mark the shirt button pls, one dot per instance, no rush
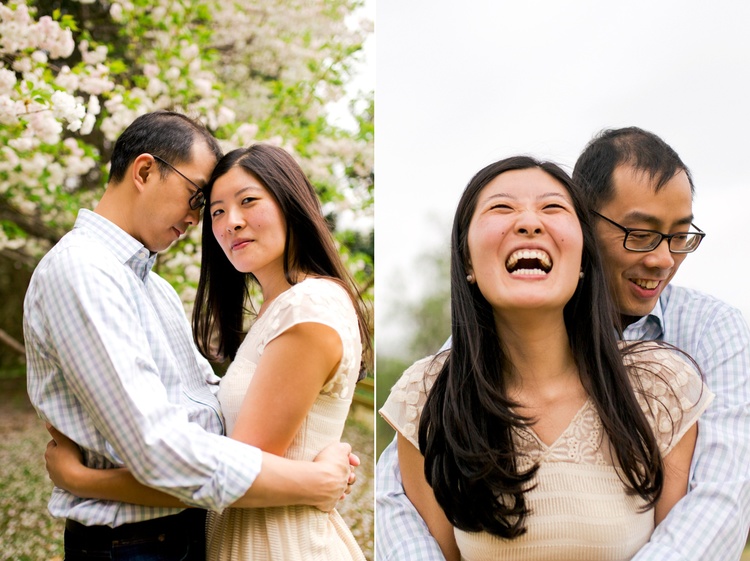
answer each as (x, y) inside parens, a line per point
(143, 254)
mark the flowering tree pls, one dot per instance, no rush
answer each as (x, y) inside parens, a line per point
(74, 74)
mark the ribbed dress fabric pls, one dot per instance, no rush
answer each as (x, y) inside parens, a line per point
(581, 510)
(294, 533)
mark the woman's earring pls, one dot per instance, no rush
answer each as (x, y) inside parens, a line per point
(470, 278)
(581, 274)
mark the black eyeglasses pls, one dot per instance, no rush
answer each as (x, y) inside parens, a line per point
(637, 239)
(198, 199)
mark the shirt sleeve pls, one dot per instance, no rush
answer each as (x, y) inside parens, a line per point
(400, 533)
(718, 499)
(96, 340)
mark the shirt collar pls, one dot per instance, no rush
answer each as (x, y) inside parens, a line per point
(650, 326)
(126, 248)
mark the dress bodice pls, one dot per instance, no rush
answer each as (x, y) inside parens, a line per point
(580, 508)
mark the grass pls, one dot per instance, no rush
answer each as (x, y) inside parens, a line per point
(29, 533)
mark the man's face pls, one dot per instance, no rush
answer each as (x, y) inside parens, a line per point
(165, 211)
(637, 279)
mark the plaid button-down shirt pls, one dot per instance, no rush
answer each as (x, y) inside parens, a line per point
(112, 364)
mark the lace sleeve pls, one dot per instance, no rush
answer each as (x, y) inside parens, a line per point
(318, 300)
(670, 391)
(403, 408)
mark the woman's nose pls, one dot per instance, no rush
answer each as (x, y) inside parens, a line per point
(528, 223)
(235, 220)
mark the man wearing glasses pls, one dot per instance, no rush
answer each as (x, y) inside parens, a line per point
(112, 364)
(641, 193)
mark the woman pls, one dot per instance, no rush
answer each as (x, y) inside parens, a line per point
(535, 436)
(290, 384)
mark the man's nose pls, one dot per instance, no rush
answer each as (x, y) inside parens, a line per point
(660, 257)
(194, 216)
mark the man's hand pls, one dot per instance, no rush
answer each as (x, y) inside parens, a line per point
(335, 465)
(63, 460)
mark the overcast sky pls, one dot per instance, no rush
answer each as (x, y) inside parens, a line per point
(459, 85)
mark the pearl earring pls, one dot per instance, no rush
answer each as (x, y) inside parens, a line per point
(470, 278)
(581, 275)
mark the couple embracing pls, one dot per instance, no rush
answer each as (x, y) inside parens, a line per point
(140, 422)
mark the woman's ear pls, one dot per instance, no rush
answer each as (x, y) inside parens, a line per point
(469, 272)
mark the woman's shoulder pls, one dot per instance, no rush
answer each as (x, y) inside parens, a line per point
(420, 376)
(314, 297)
(668, 387)
(403, 408)
(321, 291)
(660, 366)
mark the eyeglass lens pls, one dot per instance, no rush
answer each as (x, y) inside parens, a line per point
(646, 241)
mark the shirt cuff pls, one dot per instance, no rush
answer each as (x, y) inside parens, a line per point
(240, 465)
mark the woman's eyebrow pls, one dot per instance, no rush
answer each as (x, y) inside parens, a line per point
(236, 193)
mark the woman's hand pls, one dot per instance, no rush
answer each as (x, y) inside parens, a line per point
(337, 465)
(63, 459)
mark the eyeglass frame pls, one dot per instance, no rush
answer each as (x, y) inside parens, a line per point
(198, 196)
(700, 233)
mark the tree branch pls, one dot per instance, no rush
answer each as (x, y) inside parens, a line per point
(30, 224)
(19, 257)
(12, 343)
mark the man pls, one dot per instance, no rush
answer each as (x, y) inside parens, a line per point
(112, 365)
(642, 196)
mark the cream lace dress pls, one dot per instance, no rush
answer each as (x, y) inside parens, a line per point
(297, 532)
(580, 508)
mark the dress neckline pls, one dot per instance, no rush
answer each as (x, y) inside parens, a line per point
(575, 420)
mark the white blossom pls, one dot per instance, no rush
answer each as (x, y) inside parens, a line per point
(155, 87)
(192, 273)
(115, 11)
(23, 64)
(45, 127)
(7, 81)
(93, 107)
(150, 70)
(22, 144)
(67, 80)
(65, 106)
(87, 125)
(40, 57)
(56, 41)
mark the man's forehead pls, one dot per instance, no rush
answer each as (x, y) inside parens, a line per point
(628, 180)
(625, 175)
(638, 197)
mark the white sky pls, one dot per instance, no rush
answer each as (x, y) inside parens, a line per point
(459, 85)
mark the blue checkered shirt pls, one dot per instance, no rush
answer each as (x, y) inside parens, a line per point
(711, 522)
(112, 364)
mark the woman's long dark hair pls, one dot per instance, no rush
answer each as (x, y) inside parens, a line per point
(466, 428)
(223, 291)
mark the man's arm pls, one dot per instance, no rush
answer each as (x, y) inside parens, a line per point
(711, 522)
(321, 483)
(115, 398)
(400, 533)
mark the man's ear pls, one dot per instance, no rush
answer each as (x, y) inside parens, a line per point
(144, 169)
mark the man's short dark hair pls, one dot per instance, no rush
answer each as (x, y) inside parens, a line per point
(166, 134)
(631, 146)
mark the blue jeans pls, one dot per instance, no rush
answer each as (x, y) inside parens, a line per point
(174, 538)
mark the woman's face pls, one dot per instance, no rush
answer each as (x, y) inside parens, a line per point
(248, 224)
(525, 242)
